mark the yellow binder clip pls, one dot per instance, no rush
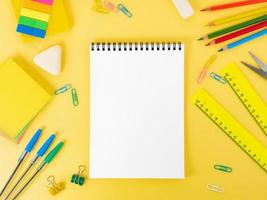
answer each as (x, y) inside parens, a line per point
(55, 188)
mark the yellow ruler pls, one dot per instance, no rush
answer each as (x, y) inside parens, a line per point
(231, 127)
(246, 93)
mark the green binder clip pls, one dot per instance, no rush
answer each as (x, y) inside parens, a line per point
(79, 178)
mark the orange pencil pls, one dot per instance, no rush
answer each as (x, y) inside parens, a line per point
(233, 5)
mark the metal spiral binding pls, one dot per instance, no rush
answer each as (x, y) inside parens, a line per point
(136, 46)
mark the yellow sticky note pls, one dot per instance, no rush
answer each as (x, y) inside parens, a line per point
(21, 100)
(58, 22)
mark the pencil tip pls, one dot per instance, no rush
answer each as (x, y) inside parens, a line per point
(220, 50)
(200, 38)
(208, 44)
(210, 24)
(204, 9)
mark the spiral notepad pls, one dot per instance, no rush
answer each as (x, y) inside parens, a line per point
(137, 110)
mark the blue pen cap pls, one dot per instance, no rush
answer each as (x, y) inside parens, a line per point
(46, 145)
(33, 141)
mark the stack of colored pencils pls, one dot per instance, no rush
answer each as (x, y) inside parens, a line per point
(256, 23)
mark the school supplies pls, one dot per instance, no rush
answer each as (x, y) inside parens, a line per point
(244, 40)
(22, 157)
(124, 10)
(231, 127)
(223, 168)
(263, 67)
(204, 71)
(248, 14)
(99, 7)
(74, 95)
(238, 33)
(184, 8)
(110, 6)
(38, 155)
(137, 100)
(54, 187)
(63, 89)
(22, 98)
(217, 77)
(34, 17)
(234, 27)
(233, 5)
(48, 159)
(215, 188)
(247, 95)
(50, 60)
(58, 21)
(79, 178)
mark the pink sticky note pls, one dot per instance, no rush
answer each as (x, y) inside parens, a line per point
(48, 2)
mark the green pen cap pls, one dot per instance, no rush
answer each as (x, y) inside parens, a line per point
(53, 153)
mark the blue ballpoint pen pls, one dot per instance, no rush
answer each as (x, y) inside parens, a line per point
(38, 155)
(24, 154)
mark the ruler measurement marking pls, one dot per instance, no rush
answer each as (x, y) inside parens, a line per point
(245, 101)
(204, 107)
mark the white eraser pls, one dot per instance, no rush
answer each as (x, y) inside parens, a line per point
(184, 8)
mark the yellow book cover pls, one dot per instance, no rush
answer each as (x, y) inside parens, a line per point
(21, 100)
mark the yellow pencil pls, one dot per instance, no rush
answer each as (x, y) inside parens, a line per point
(252, 13)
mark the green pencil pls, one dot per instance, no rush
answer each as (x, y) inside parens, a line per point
(234, 27)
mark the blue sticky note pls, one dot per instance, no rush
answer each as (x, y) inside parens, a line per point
(31, 31)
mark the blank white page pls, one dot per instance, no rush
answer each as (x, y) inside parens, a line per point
(137, 111)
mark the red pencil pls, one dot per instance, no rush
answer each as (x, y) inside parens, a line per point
(233, 5)
(238, 33)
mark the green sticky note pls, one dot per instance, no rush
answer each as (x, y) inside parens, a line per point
(34, 23)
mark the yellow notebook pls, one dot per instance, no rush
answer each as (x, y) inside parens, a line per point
(59, 20)
(21, 100)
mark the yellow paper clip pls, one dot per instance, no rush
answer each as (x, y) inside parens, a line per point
(223, 168)
(63, 89)
(217, 77)
(204, 71)
(55, 188)
(74, 95)
(124, 10)
(214, 188)
(99, 7)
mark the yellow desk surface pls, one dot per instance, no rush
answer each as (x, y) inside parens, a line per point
(205, 144)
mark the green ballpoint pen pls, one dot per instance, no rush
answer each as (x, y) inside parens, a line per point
(45, 162)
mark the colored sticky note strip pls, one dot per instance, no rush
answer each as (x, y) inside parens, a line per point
(33, 5)
(31, 31)
(34, 14)
(59, 20)
(34, 23)
(48, 2)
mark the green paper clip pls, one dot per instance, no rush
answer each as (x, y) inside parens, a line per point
(217, 77)
(223, 168)
(63, 89)
(74, 95)
(124, 10)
